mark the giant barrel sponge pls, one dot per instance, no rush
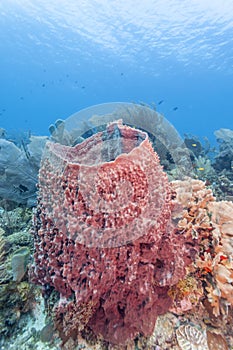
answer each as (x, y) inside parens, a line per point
(104, 237)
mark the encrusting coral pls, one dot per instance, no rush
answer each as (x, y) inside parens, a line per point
(190, 338)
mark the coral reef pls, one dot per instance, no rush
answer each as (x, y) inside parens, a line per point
(16, 300)
(204, 169)
(104, 237)
(106, 276)
(212, 164)
(15, 220)
(219, 259)
(19, 160)
(210, 223)
(224, 158)
(2, 255)
(16, 293)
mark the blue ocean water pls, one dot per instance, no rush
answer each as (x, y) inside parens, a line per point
(58, 57)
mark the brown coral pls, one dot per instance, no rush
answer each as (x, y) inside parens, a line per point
(216, 341)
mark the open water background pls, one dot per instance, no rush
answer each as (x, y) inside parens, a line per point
(57, 57)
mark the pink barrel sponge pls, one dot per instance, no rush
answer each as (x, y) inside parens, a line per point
(104, 237)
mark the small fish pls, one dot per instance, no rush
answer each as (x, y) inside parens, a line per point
(43, 85)
(2, 133)
(175, 108)
(201, 169)
(207, 269)
(22, 188)
(194, 144)
(160, 102)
